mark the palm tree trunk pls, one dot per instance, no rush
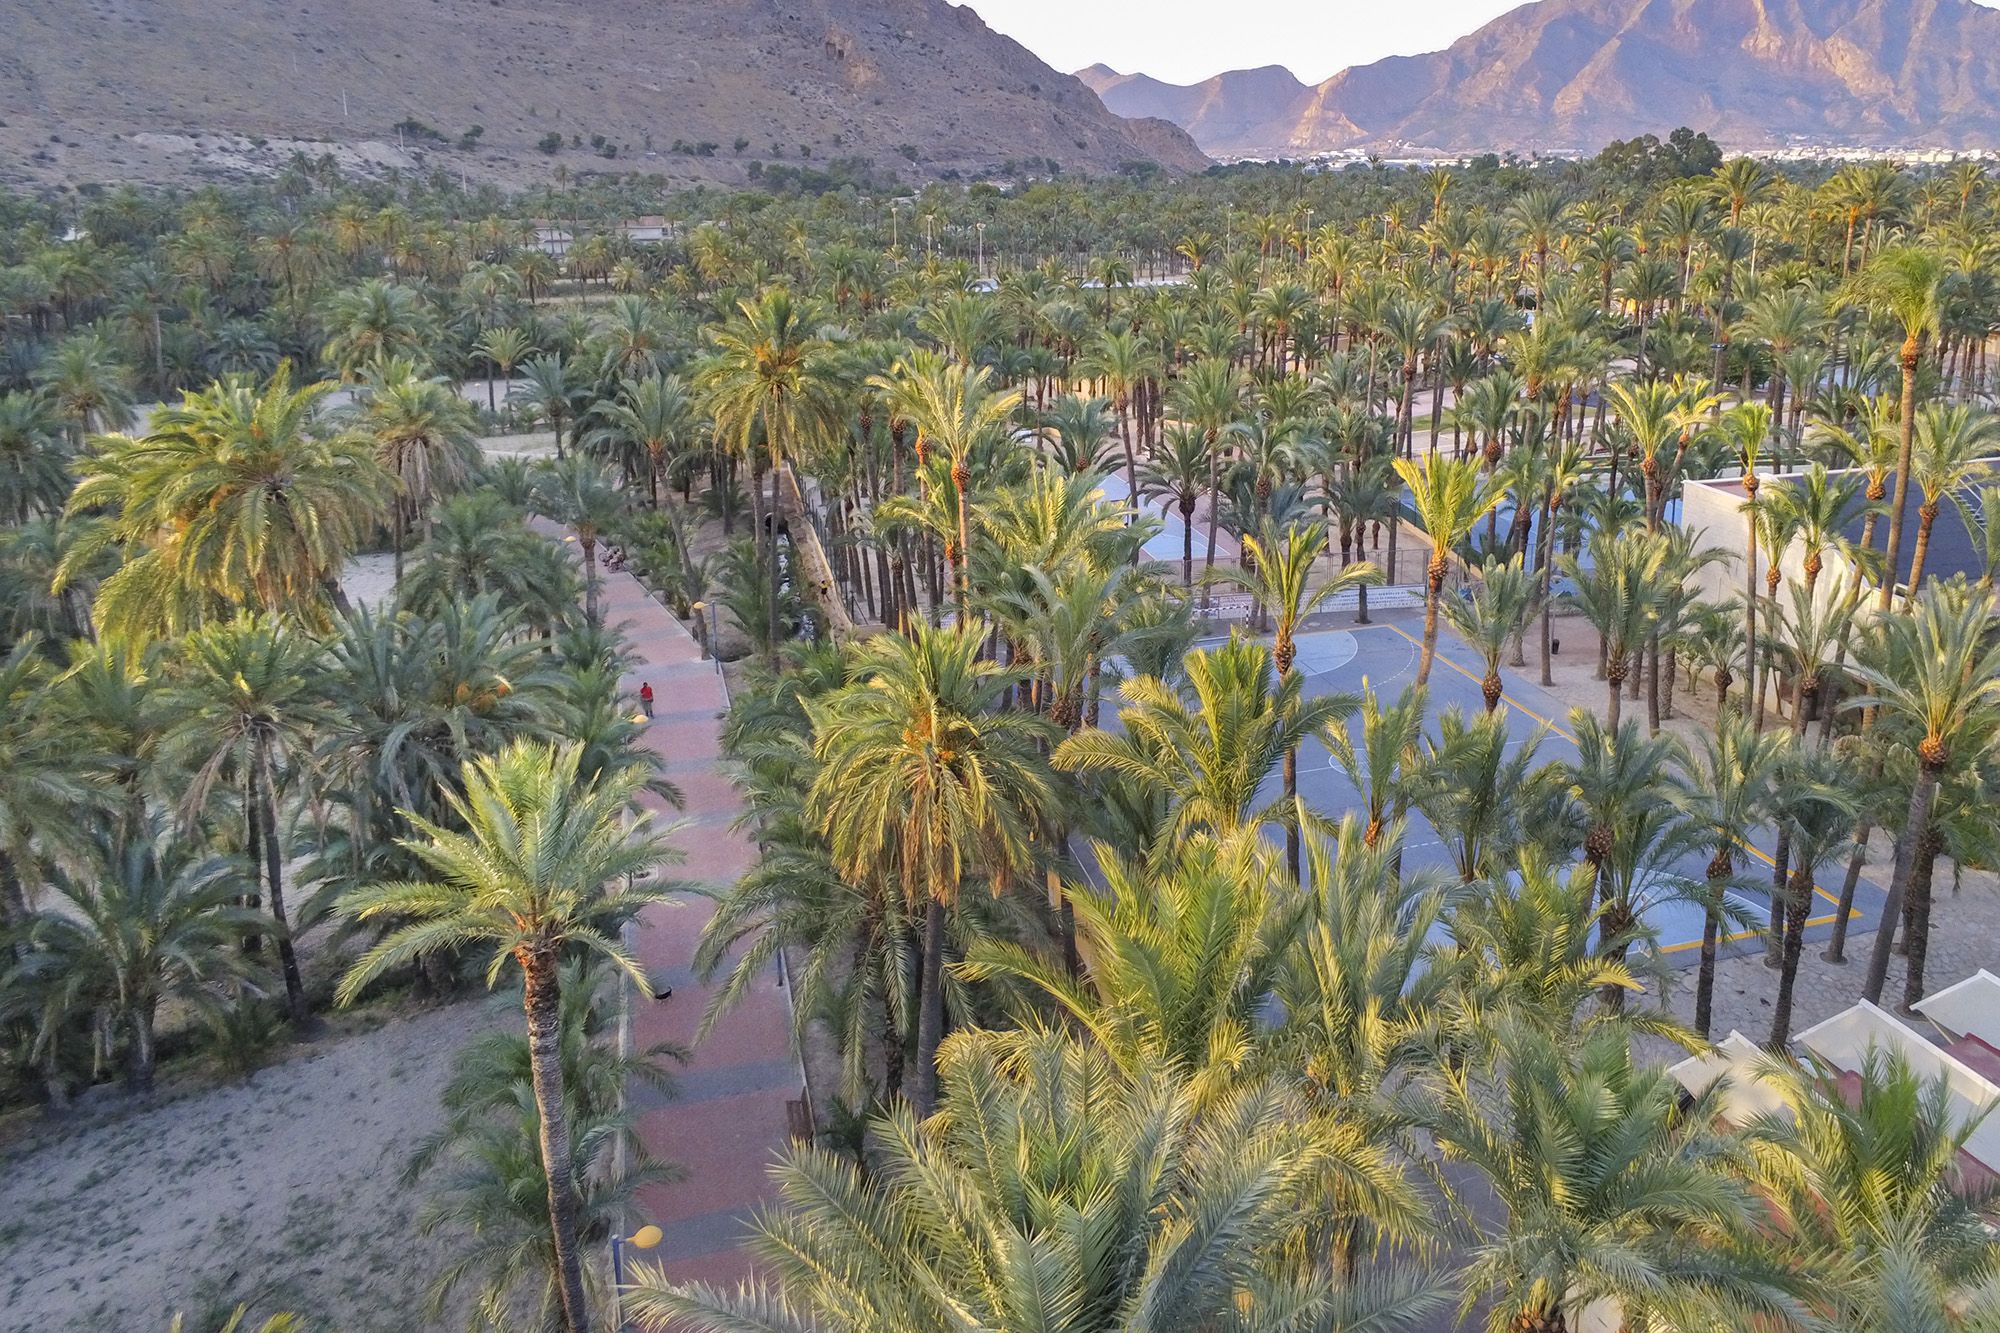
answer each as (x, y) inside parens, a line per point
(1835, 951)
(541, 999)
(930, 1007)
(1917, 938)
(1434, 572)
(1912, 351)
(274, 862)
(1292, 810)
(1914, 827)
(1796, 903)
(1926, 516)
(589, 545)
(143, 1058)
(1614, 678)
(1214, 498)
(772, 511)
(1711, 942)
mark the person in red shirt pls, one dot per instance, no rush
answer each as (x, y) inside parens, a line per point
(646, 697)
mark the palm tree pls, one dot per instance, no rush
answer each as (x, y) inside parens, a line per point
(1729, 776)
(1177, 471)
(485, 1169)
(1815, 814)
(425, 438)
(1619, 594)
(545, 868)
(1122, 361)
(1449, 497)
(86, 383)
(1207, 396)
(1935, 672)
(578, 493)
(956, 412)
(1052, 1190)
(922, 781)
(1480, 788)
(1864, 1184)
(1280, 579)
(1207, 748)
(1911, 286)
(550, 388)
(34, 458)
(148, 920)
(1494, 613)
(1953, 444)
(772, 377)
(1631, 1204)
(239, 497)
(658, 415)
(374, 322)
(503, 347)
(248, 705)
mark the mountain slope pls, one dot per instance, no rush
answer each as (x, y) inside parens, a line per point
(1242, 106)
(1573, 74)
(174, 89)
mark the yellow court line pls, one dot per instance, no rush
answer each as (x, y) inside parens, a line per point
(1751, 848)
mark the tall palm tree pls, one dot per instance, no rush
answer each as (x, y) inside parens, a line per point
(240, 497)
(1122, 361)
(503, 347)
(425, 437)
(1815, 814)
(1208, 396)
(1936, 673)
(1953, 445)
(1619, 593)
(1449, 497)
(149, 919)
(957, 413)
(1280, 580)
(248, 705)
(1177, 471)
(921, 780)
(1729, 776)
(89, 387)
(34, 458)
(772, 377)
(1053, 1190)
(1912, 287)
(545, 867)
(1494, 613)
(656, 414)
(578, 493)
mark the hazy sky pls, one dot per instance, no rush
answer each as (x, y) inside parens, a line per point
(1184, 41)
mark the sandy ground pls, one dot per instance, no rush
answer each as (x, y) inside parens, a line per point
(1965, 926)
(281, 1191)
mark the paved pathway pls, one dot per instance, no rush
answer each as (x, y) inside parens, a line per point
(728, 1121)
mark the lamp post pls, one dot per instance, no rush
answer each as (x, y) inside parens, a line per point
(645, 1238)
(700, 610)
(980, 227)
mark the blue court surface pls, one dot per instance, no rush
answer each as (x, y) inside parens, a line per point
(1384, 657)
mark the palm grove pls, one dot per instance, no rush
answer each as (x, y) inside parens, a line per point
(1121, 1032)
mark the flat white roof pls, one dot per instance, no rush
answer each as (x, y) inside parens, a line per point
(1969, 1009)
(1845, 1040)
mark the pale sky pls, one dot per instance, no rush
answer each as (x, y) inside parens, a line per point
(1185, 41)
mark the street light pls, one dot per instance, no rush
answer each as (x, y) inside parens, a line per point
(700, 610)
(645, 1238)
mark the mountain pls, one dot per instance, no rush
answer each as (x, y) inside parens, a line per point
(1241, 106)
(178, 90)
(1574, 74)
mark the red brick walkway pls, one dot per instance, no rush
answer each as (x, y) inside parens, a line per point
(727, 1122)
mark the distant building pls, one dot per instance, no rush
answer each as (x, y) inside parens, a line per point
(1713, 511)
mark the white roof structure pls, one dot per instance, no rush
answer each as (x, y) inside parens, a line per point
(1736, 1057)
(1845, 1040)
(1969, 1009)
